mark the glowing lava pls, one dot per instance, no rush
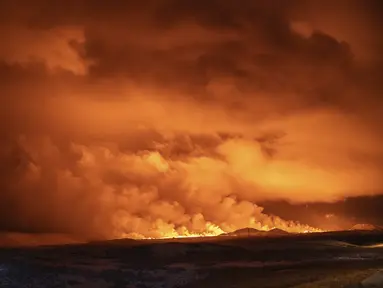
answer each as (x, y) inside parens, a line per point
(213, 230)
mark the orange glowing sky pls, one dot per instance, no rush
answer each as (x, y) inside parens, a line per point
(179, 118)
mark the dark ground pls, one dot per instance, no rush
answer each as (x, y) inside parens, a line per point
(309, 260)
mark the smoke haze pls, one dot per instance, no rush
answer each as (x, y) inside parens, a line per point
(170, 118)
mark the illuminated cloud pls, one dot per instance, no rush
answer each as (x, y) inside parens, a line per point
(178, 118)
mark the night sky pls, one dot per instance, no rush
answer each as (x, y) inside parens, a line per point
(165, 118)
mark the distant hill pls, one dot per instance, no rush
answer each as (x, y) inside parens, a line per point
(277, 231)
(246, 232)
(367, 227)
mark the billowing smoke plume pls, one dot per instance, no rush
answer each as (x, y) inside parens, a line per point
(178, 117)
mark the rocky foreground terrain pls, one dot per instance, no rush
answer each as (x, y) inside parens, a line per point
(327, 260)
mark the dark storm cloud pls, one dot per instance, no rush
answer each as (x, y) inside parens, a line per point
(197, 41)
